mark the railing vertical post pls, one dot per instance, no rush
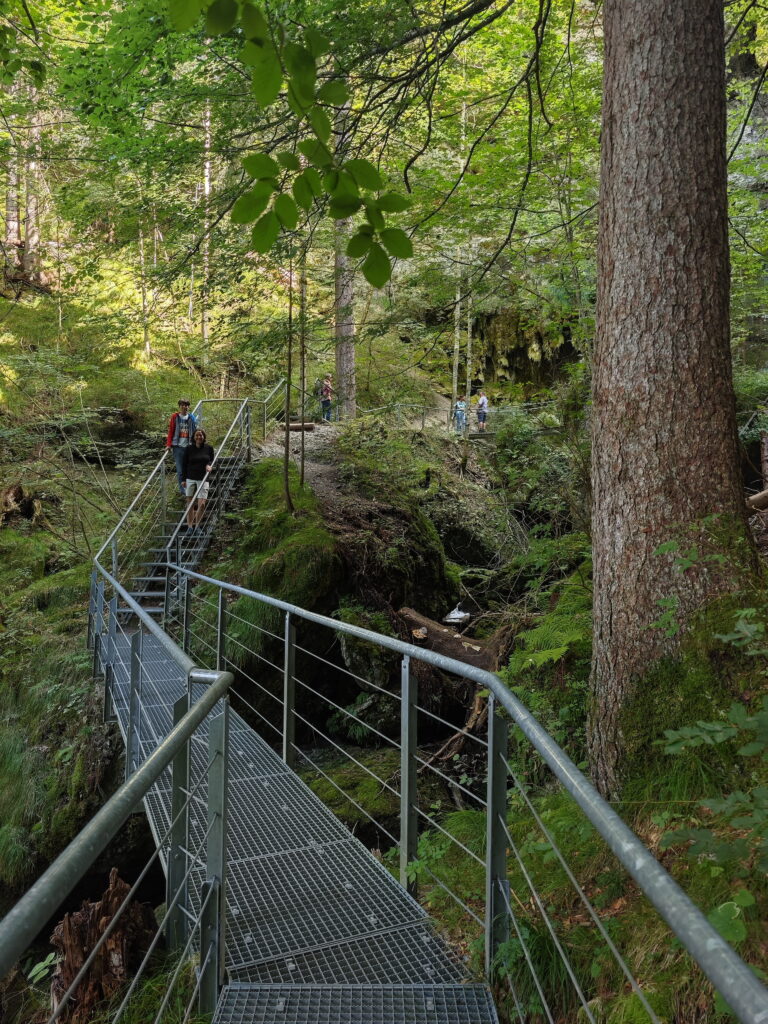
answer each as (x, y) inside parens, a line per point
(264, 421)
(184, 591)
(134, 706)
(289, 692)
(248, 432)
(213, 922)
(167, 596)
(114, 556)
(408, 796)
(91, 610)
(496, 919)
(112, 629)
(163, 495)
(100, 607)
(221, 613)
(176, 933)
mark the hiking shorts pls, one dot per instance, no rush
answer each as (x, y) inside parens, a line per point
(197, 489)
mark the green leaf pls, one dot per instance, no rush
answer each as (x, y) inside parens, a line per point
(289, 160)
(750, 749)
(184, 13)
(341, 209)
(255, 25)
(317, 43)
(321, 124)
(393, 202)
(376, 269)
(365, 174)
(358, 245)
(267, 74)
(334, 92)
(259, 165)
(397, 243)
(314, 181)
(302, 192)
(301, 64)
(265, 232)
(343, 188)
(287, 212)
(374, 216)
(253, 203)
(744, 898)
(316, 152)
(298, 101)
(726, 919)
(220, 17)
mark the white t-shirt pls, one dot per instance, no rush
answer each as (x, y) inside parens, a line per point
(482, 403)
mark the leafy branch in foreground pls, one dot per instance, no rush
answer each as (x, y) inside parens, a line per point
(317, 174)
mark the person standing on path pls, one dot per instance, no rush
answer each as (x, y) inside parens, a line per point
(460, 414)
(326, 397)
(198, 461)
(482, 412)
(181, 430)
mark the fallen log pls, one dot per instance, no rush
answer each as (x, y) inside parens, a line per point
(294, 427)
(444, 640)
(758, 501)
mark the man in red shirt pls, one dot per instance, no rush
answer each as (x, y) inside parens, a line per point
(181, 430)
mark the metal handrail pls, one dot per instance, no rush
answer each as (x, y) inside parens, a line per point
(25, 920)
(725, 969)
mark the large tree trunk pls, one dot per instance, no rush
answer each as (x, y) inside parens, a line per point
(665, 450)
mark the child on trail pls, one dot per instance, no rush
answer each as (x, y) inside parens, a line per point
(198, 460)
(181, 429)
(460, 414)
(482, 412)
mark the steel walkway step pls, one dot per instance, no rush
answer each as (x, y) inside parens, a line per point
(355, 1004)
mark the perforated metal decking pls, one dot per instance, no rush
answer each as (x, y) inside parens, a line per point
(318, 932)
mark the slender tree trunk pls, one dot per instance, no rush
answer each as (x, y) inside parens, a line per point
(469, 351)
(665, 452)
(346, 380)
(144, 301)
(206, 246)
(456, 350)
(32, 195)
(302, 350)
(287, 415)
(12, 208)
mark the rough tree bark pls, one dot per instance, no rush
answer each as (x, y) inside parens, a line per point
(665, 452)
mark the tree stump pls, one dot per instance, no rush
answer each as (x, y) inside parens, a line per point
(76, 935)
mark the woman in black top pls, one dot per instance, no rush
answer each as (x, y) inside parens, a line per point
(198, 460)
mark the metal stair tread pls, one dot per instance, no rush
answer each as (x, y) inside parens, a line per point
(355, 1004)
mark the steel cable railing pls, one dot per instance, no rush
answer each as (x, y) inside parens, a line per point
(500, 861)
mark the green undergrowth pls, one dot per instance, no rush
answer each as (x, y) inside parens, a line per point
(290, 557)
(50, 731)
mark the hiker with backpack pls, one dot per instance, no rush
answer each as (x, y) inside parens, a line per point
(181, 430)
(326, 397)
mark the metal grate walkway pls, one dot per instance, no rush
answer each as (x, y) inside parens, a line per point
(317, 928)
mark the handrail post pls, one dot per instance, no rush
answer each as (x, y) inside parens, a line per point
(221, 613)
(213, 921)
(248, 432)
(134, 706)
(289, 692)
(109, 664)
(496, 919)
(184, 591)
(91, 610)
(114, 555)
(178, 839)
(163, 494)
(408, 796)
(264, 436)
